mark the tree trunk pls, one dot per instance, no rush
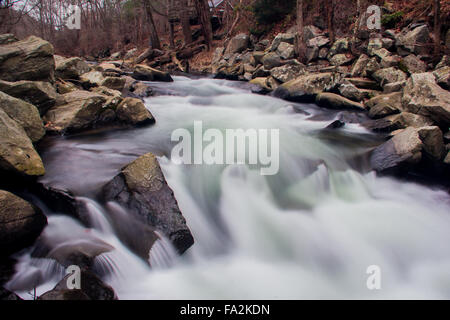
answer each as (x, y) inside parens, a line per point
(154, 39)
(205, 19)
(437, 27)
(171, 35)
(357, 25)
(300, 47)
(185, 23)
(330, 18)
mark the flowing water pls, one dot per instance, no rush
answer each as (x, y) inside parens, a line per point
(311, 231)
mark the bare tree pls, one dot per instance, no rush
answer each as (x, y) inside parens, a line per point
(330, 18)
(300, 45)
(154, 38)
(205, 19)
(185, 23)
(437, 27)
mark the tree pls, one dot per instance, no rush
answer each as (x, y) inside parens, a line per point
(205, 19)
(330, 18)
(437, 27)
(300, 45)
(154, 38)
(185, 23)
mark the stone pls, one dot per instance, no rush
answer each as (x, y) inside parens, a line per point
(335, 101)
(412, 64)
(398, 121)
(443, 77)
(260, 85)
(113, 83)
(374, 45)
(133, 111)
(17, 153)
(287, 72)
(445, 62)
(29, 59)
(350, 91)
(405, 148)
(71, 68)
(286, 50)
(306, 87)
(320, 41)
(141, 188)
(340, 46)
(384, 105)
(359, 66)
(363, 83)
(415, 40)
(24, 114)
(20, 223)
(145, 73)
(271, 60)
(238, 43)
(389, 75)
(423, 96)
(394, 87)
(7, 38)
(341, 59)
(390, 61)
(433, 141)
(310, 32)
(372, 66)
(40, 94)
(312, 53)
(92, 79)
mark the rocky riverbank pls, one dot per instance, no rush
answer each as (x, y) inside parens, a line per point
(45, 94)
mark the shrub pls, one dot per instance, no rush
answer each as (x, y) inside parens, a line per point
(390, 20)
(271, 11)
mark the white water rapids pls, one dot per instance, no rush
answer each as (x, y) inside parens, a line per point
(309, 232)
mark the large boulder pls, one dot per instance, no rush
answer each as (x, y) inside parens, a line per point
(423, 96)
(359, 65)
(145, 73)
(81, 111)
(404, 149)
(238, 43)
(287, 72)
(29, 59)
(398, 121)
(133, 111)
(384, 105)
(40, 94)
(415, 40)
(340, 46)
(306, 87)
(335, 101)
(282, 38)
(71, 68)
(271, 60)
(433, 141)
(389, 75)
(17, 153)
(141, 188)
(24, 114)
(341, 59)
(412, 64)
(20, 223)
(286, 50)
(310, 32)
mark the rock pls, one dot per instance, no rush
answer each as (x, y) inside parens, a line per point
(412, 64)
(6, 294)
(371, 67)
(113, 83)
(286, 50)
(92, 79)
(359, 65)
(382, 53)
(310, 32)
(261, 72)
(404, 148)
(71, 68)
(133, 111)
(394, 87)
(271, 60)
(29, 59)
(116, 55)
(363, 83)
(447, 158)
(445, 62)
(81, 111)
(433, 141)
(341, 59)
(141, 89)
(7, 38)
(260, 85)
(423, 96)
(20, 223)
(339, 46)
(390, 61)
(145, 73)
(323, 53)
(92, 288)
(217, 56)
(414, 41)
(389, 75)
(262, 45)
(65, 87)
(398, 121)
(273, 83)
(374, 45)
(130, 54)
(334, 101)
(142, 189)
(312, 53)
(40, 94)
(388, 43)
(238, 43)
(318, 42)
(288, 38)
(443, 77)
(17, 153)
(384, 105)
(287, 72)
(258, 56)
(306, 87)
(24, 114)
(350, 91)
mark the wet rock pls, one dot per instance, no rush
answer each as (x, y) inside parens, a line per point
(20, 223)
(71, 68)
(260, 85)
(29, 59)
(24, 114)
(133, 111)
(405, 148)
(145, 73)
(261, 72)
(384, 105)
(350, 91)
(287, 72)
(398, 121)
(305, 88)
(40, 94)
(334, 101)
(8, 295)
(433, 141)
(423, 96)
(389, 75)
(238, 43)
(81, 111)
(17, 153)
(271, 60)
(142, 189)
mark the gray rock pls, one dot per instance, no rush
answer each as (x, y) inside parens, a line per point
(133, 111)
(341, 59)
(443, 77)
(71, 68)
(433, 141)
(145, 73)
(394, 87)
(335, 101)
(413, 64)
(286, 50)
(389, 75)
(340, 46)
(271, 60)
(238, 43)
(359, 66)
(414, 41)
(282, 38)
(310, 32)
(287, 72)
(384, 105)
